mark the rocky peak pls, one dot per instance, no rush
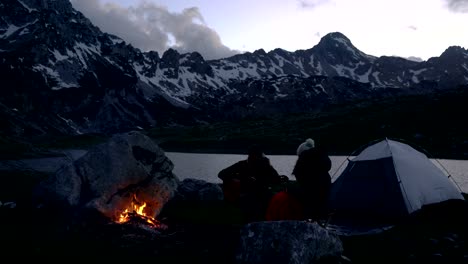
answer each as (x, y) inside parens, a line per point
(338, 49)
(170, 58)
(59, 5)
(153, 55)
(260, 52)
(453, 52)
(392, 63)
(281, 52)
(13, 13)
(335, 38)
(453, 56)
(196, 63)
(193, 57)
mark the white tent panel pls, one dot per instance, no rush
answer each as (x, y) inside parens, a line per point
(422, 182)
(387, 148)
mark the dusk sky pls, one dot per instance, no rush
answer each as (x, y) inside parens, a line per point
(217, 29)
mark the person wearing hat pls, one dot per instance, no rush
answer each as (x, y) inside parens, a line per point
(307, 197)
(314, 182)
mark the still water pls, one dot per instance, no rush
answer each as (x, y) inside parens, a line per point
(206, 166)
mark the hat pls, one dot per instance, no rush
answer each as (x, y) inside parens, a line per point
(308, 144)
(256, 150)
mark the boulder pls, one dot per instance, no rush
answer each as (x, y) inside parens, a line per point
(286, 242)
(198, 190)
(196, 201)
(130, 168)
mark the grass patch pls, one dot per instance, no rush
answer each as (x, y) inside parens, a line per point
(433, 122)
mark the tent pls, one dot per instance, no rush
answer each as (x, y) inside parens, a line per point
(389, 180)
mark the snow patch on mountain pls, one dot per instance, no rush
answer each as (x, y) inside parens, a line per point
(184, 58)
(465, 67)
(251, 70)
(320, 86)
(217, 83)
(416, 73)
(24, 31)
(275, 69)
(138, 69)
(377, 79)
(317, 65)
(280, 60)
(44, 69)
(53, 74)
(58, 56)
(182, 88)
(113, 63)
(70, 124)
(159, 80)
(80, 57)
(116, 40)
(9, 31)
(90, 49)
(229, 71)
(26, 6)
(364, 78)
(345, 44)
(299, 64)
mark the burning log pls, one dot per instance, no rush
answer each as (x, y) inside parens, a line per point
(136, 215)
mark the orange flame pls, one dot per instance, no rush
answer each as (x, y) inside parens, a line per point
(136, 210)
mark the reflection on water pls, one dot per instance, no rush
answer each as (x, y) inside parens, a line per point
(206, 166)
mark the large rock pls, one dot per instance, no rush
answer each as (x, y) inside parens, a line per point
(196, 201)
(128, 168)
(198, 190)
(286, 242)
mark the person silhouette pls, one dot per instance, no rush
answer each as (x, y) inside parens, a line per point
(314, 182)
(248, 183)
(307, 197)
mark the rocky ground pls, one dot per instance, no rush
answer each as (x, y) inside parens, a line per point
(212, 236)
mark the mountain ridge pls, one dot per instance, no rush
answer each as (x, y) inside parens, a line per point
(62, 74)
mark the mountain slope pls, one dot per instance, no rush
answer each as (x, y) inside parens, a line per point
(60, 70)
(61, 74)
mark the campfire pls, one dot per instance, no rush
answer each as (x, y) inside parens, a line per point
(135, 214)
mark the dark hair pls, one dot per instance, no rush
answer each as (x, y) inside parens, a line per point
(255, 150)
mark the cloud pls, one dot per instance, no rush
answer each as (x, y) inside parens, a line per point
(148, 26)
(311, 3)
(460, 6)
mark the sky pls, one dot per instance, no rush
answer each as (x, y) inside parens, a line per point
(221, 28)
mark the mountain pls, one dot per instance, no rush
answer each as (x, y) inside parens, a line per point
(60, 74)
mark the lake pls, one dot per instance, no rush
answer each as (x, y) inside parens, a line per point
(206, 166)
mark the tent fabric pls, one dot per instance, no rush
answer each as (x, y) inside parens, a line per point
(360, 193)
(389, 180)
